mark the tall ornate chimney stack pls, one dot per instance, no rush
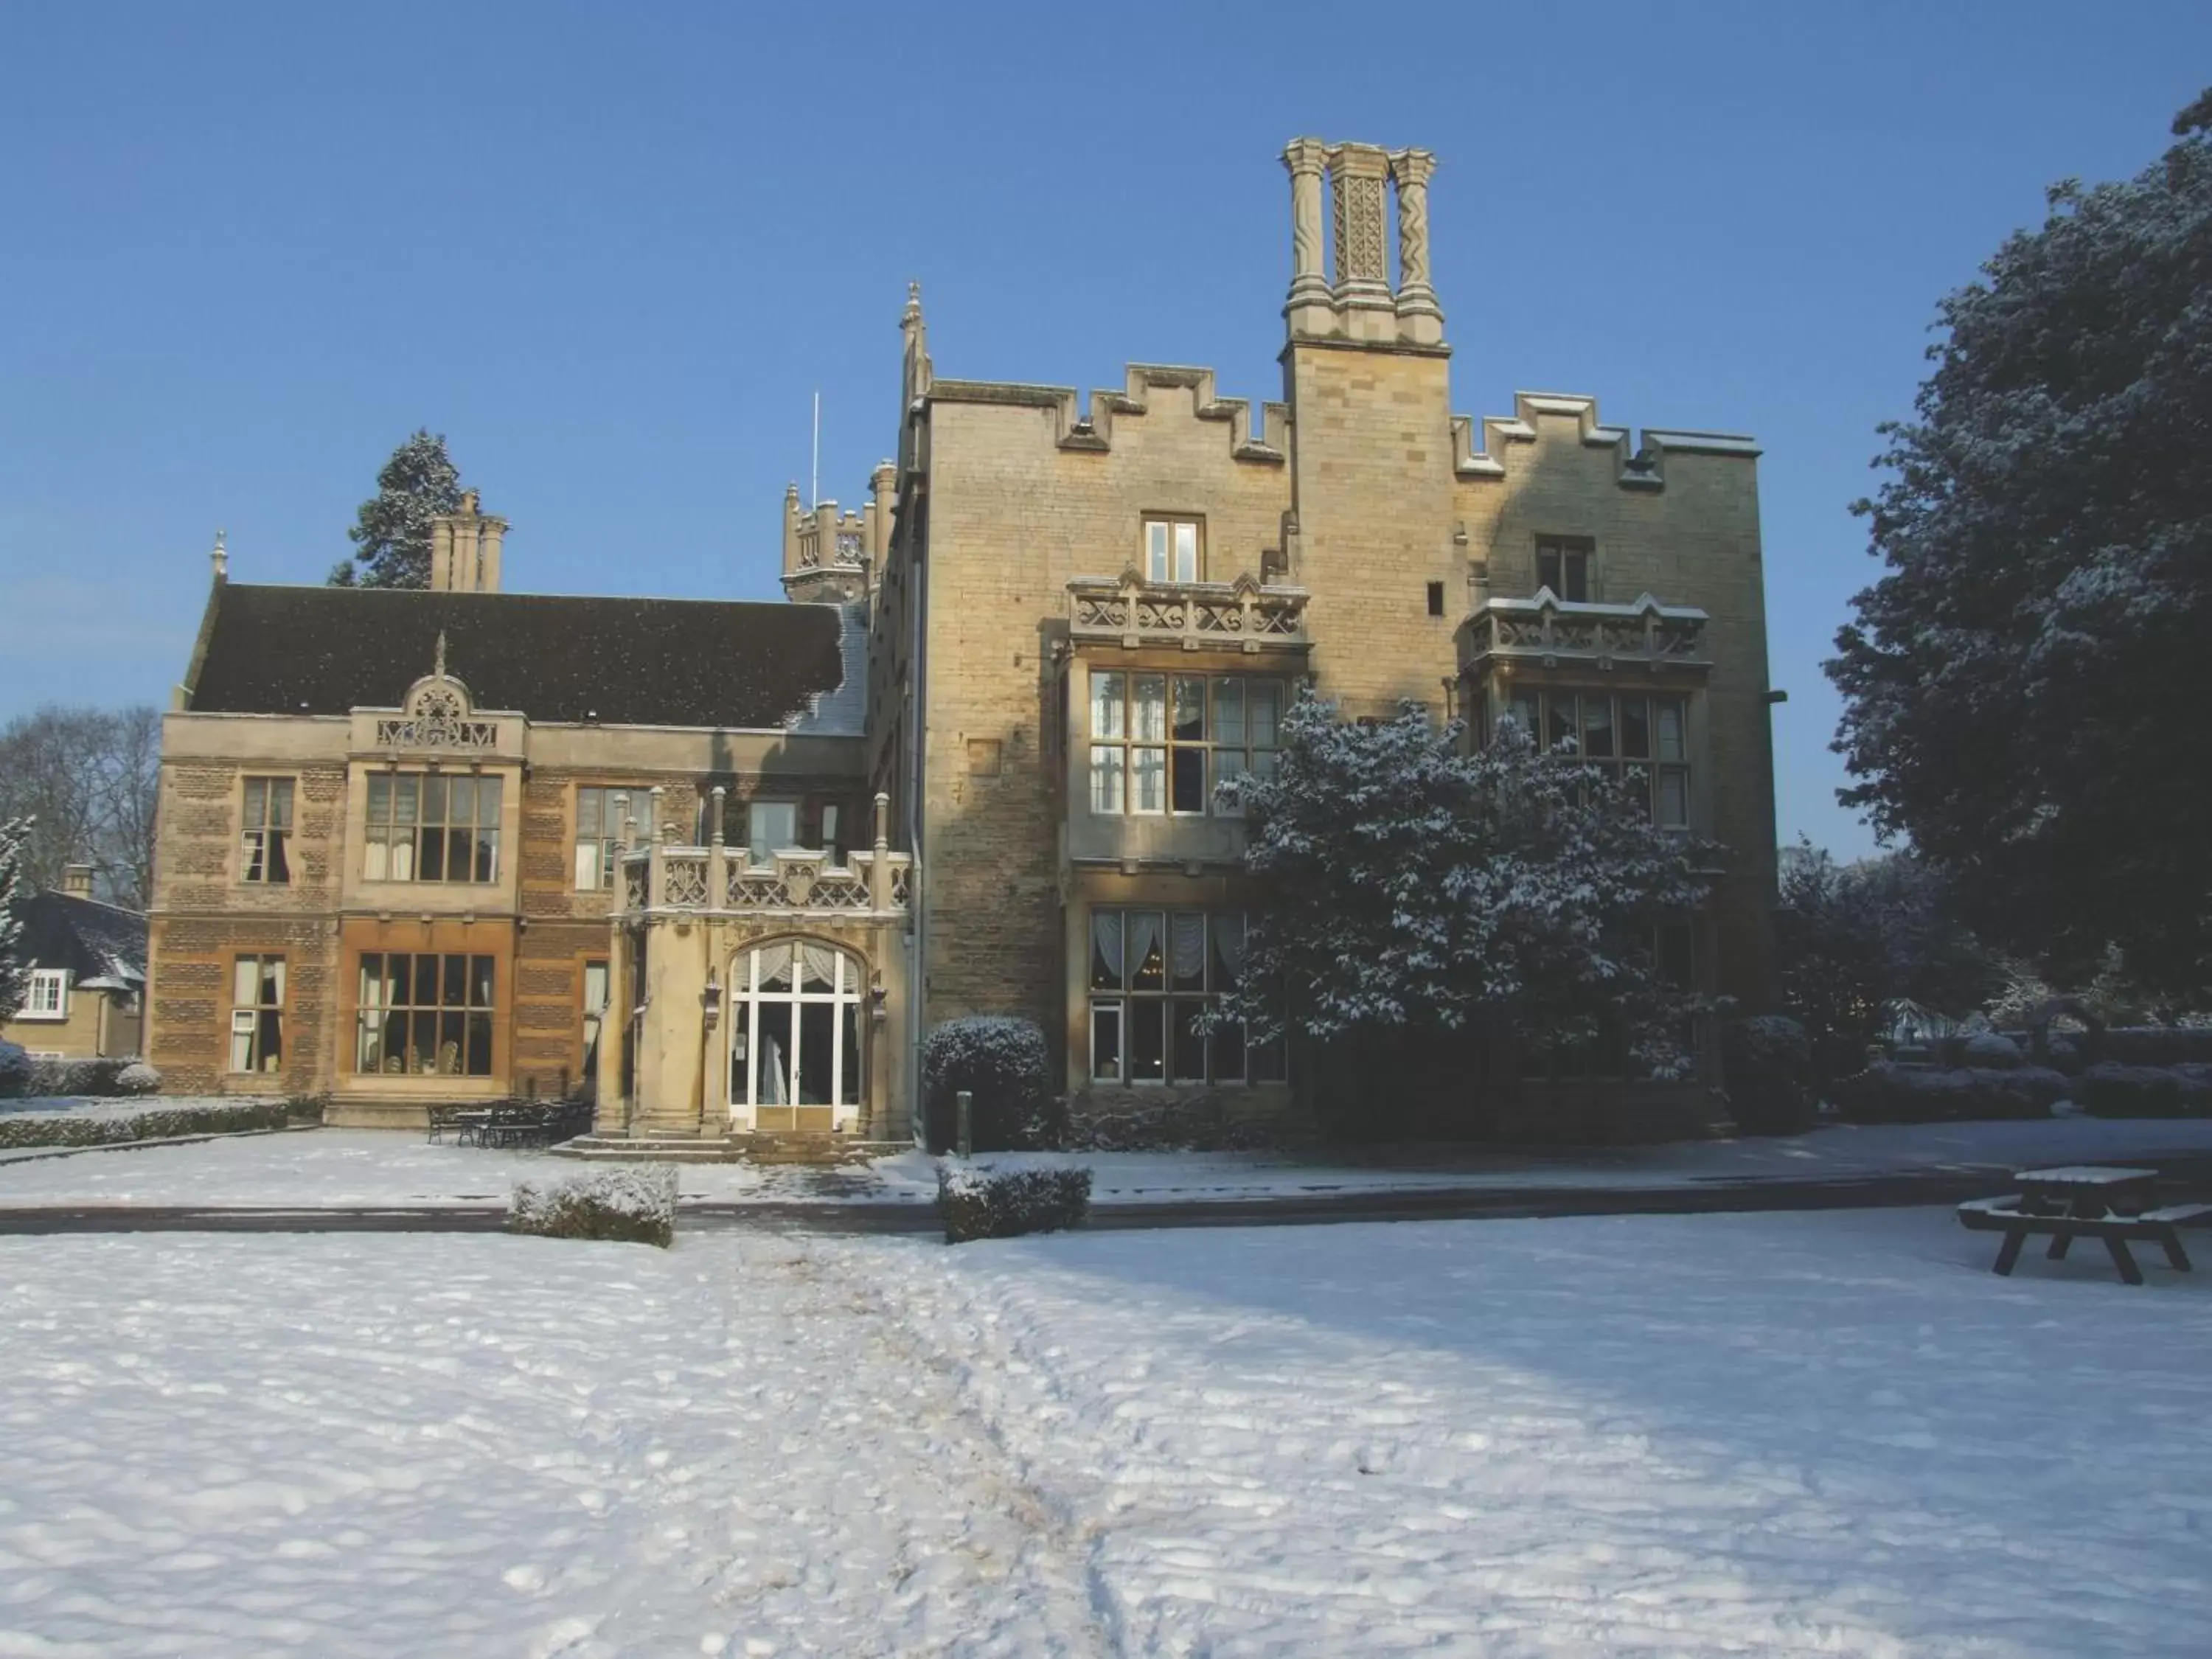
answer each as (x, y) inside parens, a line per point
(465, 548)
(1358, 301)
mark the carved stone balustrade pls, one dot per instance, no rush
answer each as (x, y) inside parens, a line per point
(1552, 632)
(1241, 616)
(723, 881)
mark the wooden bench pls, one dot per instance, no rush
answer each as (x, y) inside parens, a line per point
(2160, 1227)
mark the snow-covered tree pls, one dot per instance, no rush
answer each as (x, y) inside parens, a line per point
(391, 537)
(1849, 938)
(14, 971)
(1415, 888)
(2023, 687)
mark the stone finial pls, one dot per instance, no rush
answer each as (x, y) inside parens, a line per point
(220, 558)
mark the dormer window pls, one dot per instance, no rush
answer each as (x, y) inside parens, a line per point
(1563, 564)
(1172, 550)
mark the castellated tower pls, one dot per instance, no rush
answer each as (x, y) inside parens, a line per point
(832, 557)
(1366, 373)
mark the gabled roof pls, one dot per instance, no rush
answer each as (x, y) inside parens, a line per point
(95, 941)
(552, 656)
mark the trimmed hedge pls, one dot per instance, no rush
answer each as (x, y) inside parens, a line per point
(138, 1078)
(976, 1201)
(1889, 1093)
(2160, 1045)
(1002, 1060)
(159, 1123)
(633, 1205)
(2110, 1089)
(65, 1078)
(1767, 1060)
(14, 1070)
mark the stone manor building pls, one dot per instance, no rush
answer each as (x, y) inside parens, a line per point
(724, 865)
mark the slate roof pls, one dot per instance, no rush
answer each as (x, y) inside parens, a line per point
(93, 941)
(624, 662)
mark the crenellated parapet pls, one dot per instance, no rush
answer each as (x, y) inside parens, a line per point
(1638, 466)
(1075, 429)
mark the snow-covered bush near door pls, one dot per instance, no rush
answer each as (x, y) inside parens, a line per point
(1003, 1062)
(978, 1201)
(633, 1204)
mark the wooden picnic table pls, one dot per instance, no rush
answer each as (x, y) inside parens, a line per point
(2089, 1201)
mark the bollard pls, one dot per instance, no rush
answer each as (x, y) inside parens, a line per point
(964, 1104)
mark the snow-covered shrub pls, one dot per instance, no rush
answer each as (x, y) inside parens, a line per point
(1456, 897)
(137, 1078)
(1767, 1063)
(1003, 1062)
(68, 1078)
(633, 1204)
(1992, 1050)
(1147, 1120)
(20, 1129)
(2111, 1089)
(14, 1070)
(1921, 1094)
(977, 1201)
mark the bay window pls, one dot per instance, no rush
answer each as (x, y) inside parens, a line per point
(1642, 740)
(425, 1012)
(431, 826)
(1161, 743)
(1153, 974)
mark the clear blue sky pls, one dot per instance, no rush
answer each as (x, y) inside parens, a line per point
(611, 252)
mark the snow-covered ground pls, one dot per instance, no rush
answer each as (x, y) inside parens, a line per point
(344, 1167)
(1833, 1432)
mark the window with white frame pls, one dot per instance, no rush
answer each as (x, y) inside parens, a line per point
(1173, 550)
(1161, 742)
(1644, 740)
(795, 1027)
(1153, 974)
(433, 826)
(265, 850)
(598, 833)
(257, 1014)
(46, 996)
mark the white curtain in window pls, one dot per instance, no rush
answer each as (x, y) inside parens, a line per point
(821, 963)
(1144, 935)
(774, 966)
(1106, 940)
(772, 1089)
(1187, 945)
(1229, 949)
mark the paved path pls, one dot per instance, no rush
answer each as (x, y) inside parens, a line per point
(2192, 1170)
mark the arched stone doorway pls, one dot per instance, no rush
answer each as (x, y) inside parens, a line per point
(796, 1056)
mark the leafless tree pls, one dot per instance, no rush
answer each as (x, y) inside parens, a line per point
(88, 777)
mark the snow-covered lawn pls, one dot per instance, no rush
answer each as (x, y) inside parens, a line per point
(1759, 1433)
(342, 1167)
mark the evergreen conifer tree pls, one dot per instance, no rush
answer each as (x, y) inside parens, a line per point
(391, 534)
